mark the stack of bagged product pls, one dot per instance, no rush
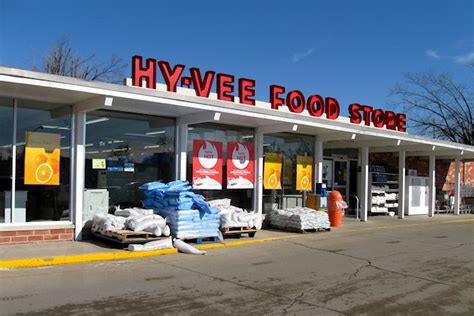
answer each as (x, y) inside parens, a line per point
(232, 216)
(135, 219)
(188, 215)
(299, 218)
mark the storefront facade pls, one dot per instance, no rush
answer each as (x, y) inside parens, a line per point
(91, 145)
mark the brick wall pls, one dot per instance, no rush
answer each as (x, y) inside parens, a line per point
(37, 235)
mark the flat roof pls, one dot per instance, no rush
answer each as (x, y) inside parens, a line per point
(185, 106)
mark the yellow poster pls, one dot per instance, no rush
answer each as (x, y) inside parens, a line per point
(272, 171)
(304, 173)
(42, 153)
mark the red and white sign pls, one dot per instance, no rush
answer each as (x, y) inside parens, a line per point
(240, 166)
(207, 165)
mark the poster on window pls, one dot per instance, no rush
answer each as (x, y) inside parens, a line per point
(272, 171)
(207, 165)
(304, 173)
(240, 166)
(42, 154)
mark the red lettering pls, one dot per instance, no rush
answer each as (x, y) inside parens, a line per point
(332, 108)
(225, 85)
(246, 91)
(367, 110)
(315, 105)
(275, 100)
(390, 120)
(148, 73)
(401, 123)
(202, 87)
(378, 118)
(355, 115)
(297, 96)
(171, 77)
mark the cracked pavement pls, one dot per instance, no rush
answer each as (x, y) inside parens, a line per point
(417, 270)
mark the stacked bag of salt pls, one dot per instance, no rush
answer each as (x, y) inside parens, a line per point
(299, 218)
(232, 216)
(187, 214)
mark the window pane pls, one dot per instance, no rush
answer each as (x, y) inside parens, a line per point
(40, 125)
(124, 151)
(221, 133)
(6, 138)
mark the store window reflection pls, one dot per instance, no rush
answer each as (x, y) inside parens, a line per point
(6, 138)
(124, 151)
(42, 162)
(290, 146)
(221, 133)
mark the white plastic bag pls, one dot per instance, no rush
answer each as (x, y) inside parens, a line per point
(186, 248)
(152, 245)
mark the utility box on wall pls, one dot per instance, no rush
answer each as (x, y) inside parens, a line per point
(96, 201)
(417, 195)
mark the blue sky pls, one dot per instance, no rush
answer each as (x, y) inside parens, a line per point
(352, 50)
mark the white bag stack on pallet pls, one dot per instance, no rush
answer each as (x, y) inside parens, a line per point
(299, 218)
(232, 216)
(105, 222)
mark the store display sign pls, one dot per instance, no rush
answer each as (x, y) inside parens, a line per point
(272, 171)
(240, 166)
(304, 173)
(207, 165)
(98, 164)
(42, 155)
(226, 84)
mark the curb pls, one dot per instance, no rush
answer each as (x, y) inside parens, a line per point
(108, 256)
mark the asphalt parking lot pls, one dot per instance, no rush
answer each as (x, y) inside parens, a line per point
(416, 268)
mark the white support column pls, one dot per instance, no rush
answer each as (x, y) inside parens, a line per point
(457, 186)
(318, 155)
(401, 183)
(181, 149)
(365, 198)
(432, 186)
(79, 170)
(258, 189)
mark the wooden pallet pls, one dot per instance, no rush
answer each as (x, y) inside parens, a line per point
(203, 240)
(303, 231)
(122, 238)
(238, 231)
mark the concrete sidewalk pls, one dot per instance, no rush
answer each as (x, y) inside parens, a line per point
(54, 253)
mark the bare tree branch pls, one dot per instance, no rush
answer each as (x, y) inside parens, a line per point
(438, 105)
(62, 60)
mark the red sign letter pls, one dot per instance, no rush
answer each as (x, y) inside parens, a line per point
(225, 85)
(367, 109)
(332, 109)
(401, 122)
(171, 77)
(378, 118)
(202, 87)
(139, 73)
(355, 116)
(315, 105)
(275, 100)
(246, 91)
(290, 99)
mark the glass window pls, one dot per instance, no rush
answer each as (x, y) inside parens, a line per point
(291, 146)
(42, 162)
(221, 133)
(126, 150)
(6, 137)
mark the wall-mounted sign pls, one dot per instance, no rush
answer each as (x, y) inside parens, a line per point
(42, 155)
(207, 165)
(226, 84)
(272, 171)
(240, 166)
(98, 164)
(304, 173)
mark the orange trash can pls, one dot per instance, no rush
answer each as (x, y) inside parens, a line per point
(336, 204)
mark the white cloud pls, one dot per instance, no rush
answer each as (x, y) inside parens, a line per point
(298, 57)
(467, 59)
(433, 54)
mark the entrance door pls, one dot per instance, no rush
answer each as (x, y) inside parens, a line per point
(341, 177)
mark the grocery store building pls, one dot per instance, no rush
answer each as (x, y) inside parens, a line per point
(101, 141)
